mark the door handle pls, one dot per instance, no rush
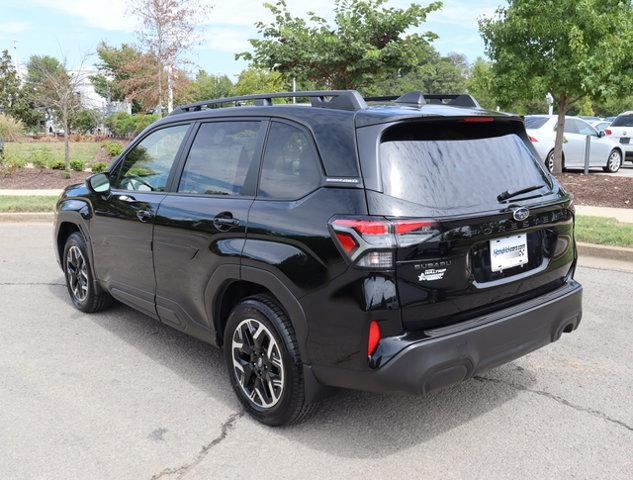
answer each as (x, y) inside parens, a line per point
(225, 221)
(127, 198)
(144, 215)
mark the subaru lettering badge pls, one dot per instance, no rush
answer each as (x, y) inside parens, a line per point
(520, 214)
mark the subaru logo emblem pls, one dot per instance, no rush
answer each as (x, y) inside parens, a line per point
(520, 214)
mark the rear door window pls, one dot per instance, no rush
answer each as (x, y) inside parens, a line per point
(291, 166)
(459, 174)
(571, 125)
(623, 121)
(221, 158)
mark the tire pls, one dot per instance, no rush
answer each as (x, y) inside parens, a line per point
(549, 162)
(83, 288)
(614, 162)
(268, 380)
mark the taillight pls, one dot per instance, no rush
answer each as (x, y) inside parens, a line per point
(608, 131)
(373, 338)
(532, 139)
(370, 242)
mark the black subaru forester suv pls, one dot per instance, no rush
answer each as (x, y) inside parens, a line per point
(385, 244)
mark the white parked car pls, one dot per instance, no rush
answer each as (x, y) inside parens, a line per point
(605, 152)
(621, 129)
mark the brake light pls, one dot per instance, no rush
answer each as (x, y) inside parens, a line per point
(366, 227)
(608, 131)
(532, 139)
(370, 242)
(479, 119)
(373, 338)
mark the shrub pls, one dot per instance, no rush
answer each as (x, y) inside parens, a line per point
(99, 167)
(124, 125)
(10, 128)
(113, 148)
(13, 160)
(42, 157)
(58, 165)
(77, 165)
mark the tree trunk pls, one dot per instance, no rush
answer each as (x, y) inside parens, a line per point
(563, 104)
(66, 142)
(170, 88)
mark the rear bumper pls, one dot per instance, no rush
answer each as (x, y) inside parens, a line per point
(452, 354)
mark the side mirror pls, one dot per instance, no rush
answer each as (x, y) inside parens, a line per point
(601, 133)
(98, 183)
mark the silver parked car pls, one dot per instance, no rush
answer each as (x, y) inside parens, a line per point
(605, 152)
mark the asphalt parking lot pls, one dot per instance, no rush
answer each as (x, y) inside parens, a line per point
(117, 396)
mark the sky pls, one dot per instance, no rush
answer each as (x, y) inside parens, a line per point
(73, 28)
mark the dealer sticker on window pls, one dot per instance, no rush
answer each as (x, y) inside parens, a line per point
(508, 252)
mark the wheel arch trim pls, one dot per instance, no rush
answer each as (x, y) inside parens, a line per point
(227, 274)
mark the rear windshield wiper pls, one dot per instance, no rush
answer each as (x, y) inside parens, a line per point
(507, 195)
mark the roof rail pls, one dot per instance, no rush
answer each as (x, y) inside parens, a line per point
(419, 98)
(338, 99)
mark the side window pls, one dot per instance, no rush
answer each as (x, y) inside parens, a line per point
(571, 125)
(585, 129)
(220, 158)
(290, 169)
(146, 167)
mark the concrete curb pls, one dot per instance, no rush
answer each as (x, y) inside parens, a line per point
(622, 254)
(23, 217)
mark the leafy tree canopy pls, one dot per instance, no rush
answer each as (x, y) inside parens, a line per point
(259, 80)
(112, 70)
(9, 84)
(206, 86)
(366, 40)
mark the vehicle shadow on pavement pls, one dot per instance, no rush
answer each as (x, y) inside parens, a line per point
(348, 423)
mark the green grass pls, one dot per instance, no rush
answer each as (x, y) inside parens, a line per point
(17, 203)
(48, 152)
(604, 231)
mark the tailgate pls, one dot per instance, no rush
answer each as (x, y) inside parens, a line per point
(450, 278)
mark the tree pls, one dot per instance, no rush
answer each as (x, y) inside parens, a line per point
(57, 90)
(168, 30)
(259, 80)
(9, 84)
(206, 86)
(367, 41)
(85, 120)
(569, 48)
(480, 84)
(14, 98)
(114, 70)
(437, 75)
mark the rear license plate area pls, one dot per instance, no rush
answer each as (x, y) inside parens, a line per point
(508, 252)
(625, 140)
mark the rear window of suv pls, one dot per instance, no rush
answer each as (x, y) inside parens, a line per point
(623, 121)
(455, 170)
(534, 123)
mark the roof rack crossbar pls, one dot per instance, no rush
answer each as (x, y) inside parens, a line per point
(419, 98)
(338, 99)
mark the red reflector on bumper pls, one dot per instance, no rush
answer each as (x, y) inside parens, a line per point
(374, 337)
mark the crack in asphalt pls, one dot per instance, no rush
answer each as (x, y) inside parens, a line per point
(31, 283)
(181, 471)
(561, 400)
